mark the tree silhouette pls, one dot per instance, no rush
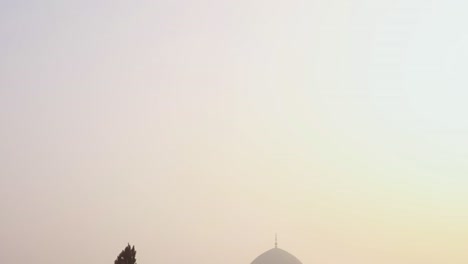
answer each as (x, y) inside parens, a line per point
(127, 256)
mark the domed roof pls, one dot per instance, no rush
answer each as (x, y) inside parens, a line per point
(276, 256)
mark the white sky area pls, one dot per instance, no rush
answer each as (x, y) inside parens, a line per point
(195, 130)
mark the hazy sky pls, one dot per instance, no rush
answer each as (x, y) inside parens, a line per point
(195, 130)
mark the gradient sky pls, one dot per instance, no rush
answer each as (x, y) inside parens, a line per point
(195, 130)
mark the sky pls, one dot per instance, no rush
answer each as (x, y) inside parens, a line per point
(196, 130)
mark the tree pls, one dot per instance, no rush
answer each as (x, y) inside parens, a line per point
(127, 256)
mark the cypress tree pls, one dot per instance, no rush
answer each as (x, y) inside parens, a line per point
(127, 256)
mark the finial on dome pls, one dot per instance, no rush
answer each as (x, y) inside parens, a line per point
(276, 240)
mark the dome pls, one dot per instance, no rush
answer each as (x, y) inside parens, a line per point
(276, 256)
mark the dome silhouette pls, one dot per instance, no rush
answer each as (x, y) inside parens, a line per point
(276, 256)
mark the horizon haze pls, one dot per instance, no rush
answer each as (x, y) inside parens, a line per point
(196, 130)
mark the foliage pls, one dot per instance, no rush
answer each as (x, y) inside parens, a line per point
(127, 256)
